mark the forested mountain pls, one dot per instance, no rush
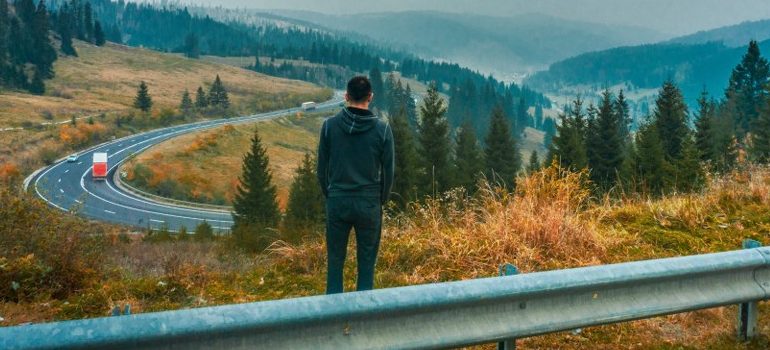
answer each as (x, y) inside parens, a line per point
(493, 44)
(732, 36)
(307, 54)
(337, 57)
(692, 67)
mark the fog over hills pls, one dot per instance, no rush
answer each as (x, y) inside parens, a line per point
(733, 36)
(678, 17)
(504, 46)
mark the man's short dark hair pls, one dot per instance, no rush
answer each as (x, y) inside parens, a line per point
(359, 88)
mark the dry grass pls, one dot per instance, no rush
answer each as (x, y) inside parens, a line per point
(210, 161)
(104, 80)
(550, 222)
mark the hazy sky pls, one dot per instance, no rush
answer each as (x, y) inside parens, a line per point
(667, 16)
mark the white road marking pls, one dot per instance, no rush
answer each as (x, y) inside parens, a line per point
(61, 190)
(109, 211)
(66, 171)
(78, 201)
(82, 185)
(153, 220)
(173, 132)
(59, 180)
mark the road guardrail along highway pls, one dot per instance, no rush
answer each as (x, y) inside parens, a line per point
(439, 315)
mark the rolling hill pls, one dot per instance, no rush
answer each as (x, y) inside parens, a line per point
(498, 45)
(703, 59)
(732, 36)
(692, 67)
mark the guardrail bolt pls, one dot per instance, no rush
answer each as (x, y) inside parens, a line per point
(747, 312)
(508, 270)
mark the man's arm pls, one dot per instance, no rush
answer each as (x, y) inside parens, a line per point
(388, 164)
(322, 168)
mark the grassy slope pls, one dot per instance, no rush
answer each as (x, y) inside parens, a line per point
(551, 223)
(210, 161)
(105, 80)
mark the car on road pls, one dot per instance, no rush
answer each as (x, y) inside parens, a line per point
(72, 158)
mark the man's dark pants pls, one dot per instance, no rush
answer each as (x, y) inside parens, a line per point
(364, 214)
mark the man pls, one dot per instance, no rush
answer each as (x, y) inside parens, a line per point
(355, 170)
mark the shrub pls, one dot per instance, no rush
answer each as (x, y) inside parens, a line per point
(44, 252)
(204, 232)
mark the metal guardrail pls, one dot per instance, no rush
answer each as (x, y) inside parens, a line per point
(433, 315)
(126, 187)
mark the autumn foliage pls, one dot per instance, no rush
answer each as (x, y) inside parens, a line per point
(81, 133)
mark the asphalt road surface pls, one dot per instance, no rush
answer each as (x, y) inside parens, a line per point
(68, 186)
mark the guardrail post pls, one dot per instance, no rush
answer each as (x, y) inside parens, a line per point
(507, 270)
(747, 312)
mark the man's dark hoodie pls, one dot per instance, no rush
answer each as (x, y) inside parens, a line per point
(355, 155)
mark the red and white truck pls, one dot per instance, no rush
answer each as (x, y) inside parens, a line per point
(99, 170)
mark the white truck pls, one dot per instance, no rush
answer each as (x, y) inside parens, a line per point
(307, 106)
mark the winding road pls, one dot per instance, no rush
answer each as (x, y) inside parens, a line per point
(68, 186)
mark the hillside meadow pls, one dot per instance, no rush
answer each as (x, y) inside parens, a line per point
(550, 222)
(98, 87)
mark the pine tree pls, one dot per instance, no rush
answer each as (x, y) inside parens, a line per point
(549, 128)
(568, 145)
(99, 39)
(705, 138)
(203, 232)
(44, 53)
(4, 28)
(411, 108)
(25, 9)
(534, 163)
(502, 157)
(604, 144)
(670, 117)
(143, 100)
(379, 101)
(435, 144)
(187, 104)
(523, 119)
(201, 100)
(469, 158)
(37, 86)
(218, 95)
(255, 207)
(652, 168)
(621, 109)
(88, 22)
(689, 173)
(114, 34)
(191, 46)
(65, 32)
(539, 117)
(760, 138)
(305, 207)
(746, 88)
(406, 162)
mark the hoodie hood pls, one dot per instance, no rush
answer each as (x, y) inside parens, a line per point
(354, 123)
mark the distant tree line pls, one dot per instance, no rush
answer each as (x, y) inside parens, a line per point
(175, 29)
